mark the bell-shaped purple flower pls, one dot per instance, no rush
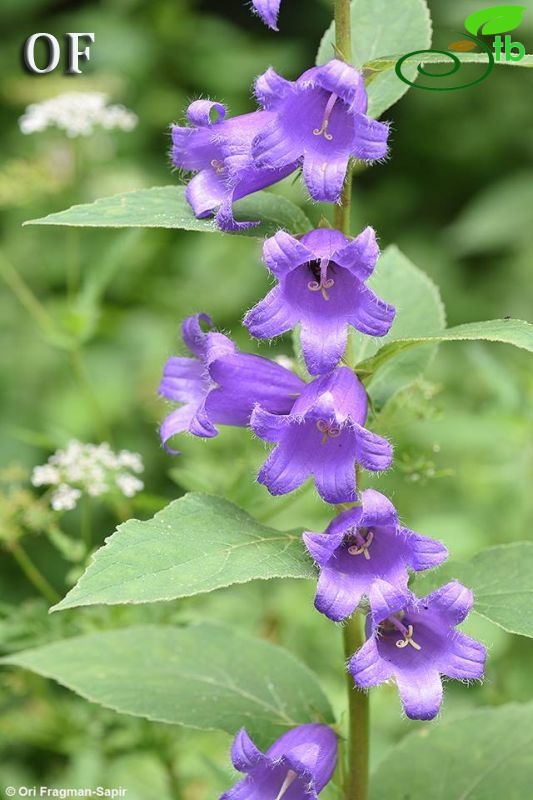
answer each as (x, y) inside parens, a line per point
(220, 385)
(219, 151)
(320, 120)
(297, 766)
(321, 285)
(363, 553)
(415, 644)
(323, 437)
(268, 10)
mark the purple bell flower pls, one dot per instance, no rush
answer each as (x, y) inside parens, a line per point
(320, 120)
(221, 385)
(321, 285)
(415, 644)
(268, 10)
(323, 437)
(363, 553)
(297, 766)
(219, 151)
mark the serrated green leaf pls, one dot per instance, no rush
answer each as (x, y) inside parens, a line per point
(196, 544)
(487, 755)
(166, 207)
(500, 578)
(419, 309)
(379, 28)
(497, 19)
(508, 331)
(205, 676)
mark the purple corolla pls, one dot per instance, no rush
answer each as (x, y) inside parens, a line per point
(268, 10)
(323, 437)
(321, 285)
(297, 766)
(219, 151)
(318, 120)
(415, 644)
(363, 553)
(221, 385)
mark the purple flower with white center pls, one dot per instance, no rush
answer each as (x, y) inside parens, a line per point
(297, 766)
(268, 10)
(221, 385)
(415, 644)
(363, 553)
(321, 285)
(219, 150)
(323, 437)
(319, 120)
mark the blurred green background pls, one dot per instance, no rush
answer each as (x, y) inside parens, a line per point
(84, 362)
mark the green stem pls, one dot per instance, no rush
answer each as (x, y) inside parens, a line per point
(343, 49)
(343, 30)
(32, 573)
(86, 524)
(356, 786)
(356, 783)
(26, 297)
(73, 264)
(342, 211)
(38, 312)
(80, 370)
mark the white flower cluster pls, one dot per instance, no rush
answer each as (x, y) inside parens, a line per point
(91, 469)
(77, 113)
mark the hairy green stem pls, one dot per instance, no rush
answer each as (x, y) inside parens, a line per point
(356, 780)
(343, 50)
(32, 573)
(356, 786)
(341, 213)
(343, 30)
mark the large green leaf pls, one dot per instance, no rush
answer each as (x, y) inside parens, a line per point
(204, 676)
(390, 363)
(196, 544)
(500, 578)
(508, 331)
(419, 310)
(166, 207)
(487, 755)
(381, 27)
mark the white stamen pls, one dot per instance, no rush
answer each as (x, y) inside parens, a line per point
(289, 778)
(323, 130)
(329, 429)
(356, 549)
(408, 639)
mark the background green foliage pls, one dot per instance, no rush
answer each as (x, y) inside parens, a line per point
(456, 197)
